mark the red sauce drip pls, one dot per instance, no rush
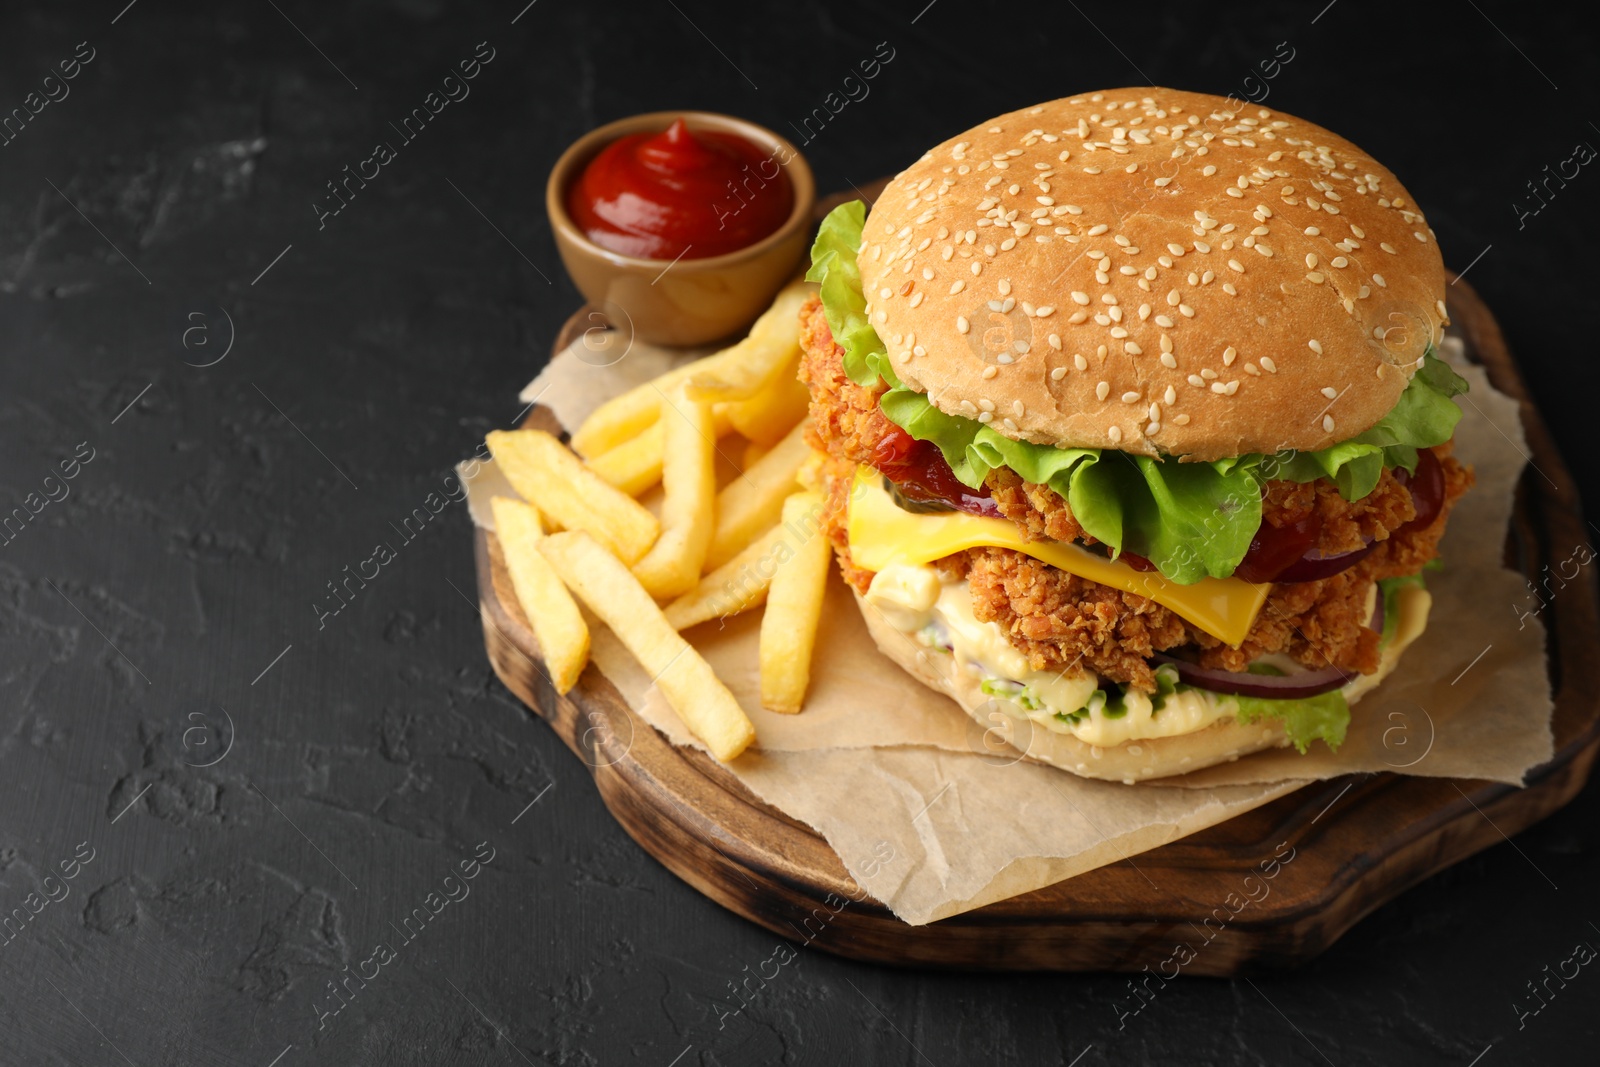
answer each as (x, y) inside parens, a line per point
(680, 193)
(1275, 548)
(919, 472)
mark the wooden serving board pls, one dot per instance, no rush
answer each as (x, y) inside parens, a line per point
(1359, 840)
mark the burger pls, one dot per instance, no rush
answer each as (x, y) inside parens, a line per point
(1134, 436)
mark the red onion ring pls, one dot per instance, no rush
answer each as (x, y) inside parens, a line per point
(1312, 567)
(1240, 683)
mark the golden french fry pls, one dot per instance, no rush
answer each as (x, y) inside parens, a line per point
(752, 502)
(628, 415)
(556, 482)
(688, 515)
(608, 588)
(753, 451)
(557, 624)
(738, 585)
(774, 411)
(634, 465)
(794, 606)
(762, 357)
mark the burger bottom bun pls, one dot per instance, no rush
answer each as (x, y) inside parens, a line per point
(1129, 762)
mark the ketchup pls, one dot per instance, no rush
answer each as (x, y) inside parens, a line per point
(680, 194)
(919, 472)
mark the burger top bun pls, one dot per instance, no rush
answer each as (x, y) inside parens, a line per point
(1154, 271)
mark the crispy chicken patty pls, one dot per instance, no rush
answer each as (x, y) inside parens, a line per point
(1061, 620)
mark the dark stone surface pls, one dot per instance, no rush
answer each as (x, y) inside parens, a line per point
(172, 590)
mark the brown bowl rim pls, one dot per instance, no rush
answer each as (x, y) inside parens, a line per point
(585, 147)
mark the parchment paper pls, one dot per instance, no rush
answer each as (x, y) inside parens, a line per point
(884, 767)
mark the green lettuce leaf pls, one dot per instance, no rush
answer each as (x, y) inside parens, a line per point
(833, 266)
(1323, 717)
(1192, 520)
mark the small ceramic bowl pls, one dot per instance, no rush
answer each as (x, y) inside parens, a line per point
(692, 301)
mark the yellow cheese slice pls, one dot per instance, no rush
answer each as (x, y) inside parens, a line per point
(882, 533)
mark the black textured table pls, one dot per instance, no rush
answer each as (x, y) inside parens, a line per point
(248, 820)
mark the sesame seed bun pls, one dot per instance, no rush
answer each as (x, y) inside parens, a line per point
(1175, 274)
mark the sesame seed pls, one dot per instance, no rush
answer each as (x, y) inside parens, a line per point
(1387, 247)
(1381, 283)
(1219, 388)
(1055, 341)
(1181, 420)
(1186, 311)
(1227, 287)
(1268, 365)
(1315, 346)
(1229, 354)
(1102, 390)
(1114, 434)
(987, 405)
(1132, 349)
(962, 325)
(977, 267)
(956, 286)
(1327, 423)
(1080, 298)
(1058, 373)
(1170, 362)
(1316, 277)
(990, 371)
(985, 417)
(1330, 392)
(1196, 381)
(1046, 311)
(1235, 265)
(1017, 409)
(1340, 261)
(916, 299)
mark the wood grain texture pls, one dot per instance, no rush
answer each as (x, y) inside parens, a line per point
(1358, 841)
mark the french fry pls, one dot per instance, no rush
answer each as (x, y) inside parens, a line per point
(701, 700)
(794, 607)
(688, 515)
(551, 478)
(753, 451)
(629, 414)
(752, 502)
(774, 411)
(634, 465)
(737, 586)
(557, 624)
(762, 357)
